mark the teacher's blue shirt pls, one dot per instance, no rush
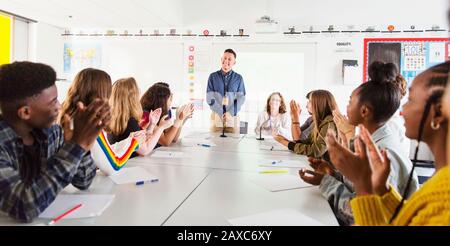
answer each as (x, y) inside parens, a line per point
(221, 84)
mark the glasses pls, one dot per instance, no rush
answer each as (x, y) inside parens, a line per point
(275, 100)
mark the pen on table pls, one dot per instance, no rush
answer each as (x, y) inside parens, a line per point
(64, 214)
(274, 171)
(204, 145)
(276, 162)
(141, 182)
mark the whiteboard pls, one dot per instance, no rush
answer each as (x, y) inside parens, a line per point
(288, 68)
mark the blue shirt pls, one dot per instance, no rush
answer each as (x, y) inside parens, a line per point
(230, 84)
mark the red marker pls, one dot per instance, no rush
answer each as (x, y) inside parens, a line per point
(64, 214)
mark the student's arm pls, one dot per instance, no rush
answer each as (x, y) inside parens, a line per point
(213, 98)
(313, 147)
(85, 173)
(373, 210)
(296, 131)
(175, 139)
(26, 201)
(149, 144)
(284, 127)
(338, 194)
(168, 135)
(86, 169)
(259, 122)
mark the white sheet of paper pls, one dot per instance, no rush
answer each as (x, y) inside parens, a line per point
(277, 181)
(352, 75)
(195, 142)
(92, 205)
(132, 175)
(167, 154)
(437, 52)
(281, 217)
(198, 135)
(301, 163)
(273, 147)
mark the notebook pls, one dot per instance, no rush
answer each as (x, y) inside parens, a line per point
(92, 206)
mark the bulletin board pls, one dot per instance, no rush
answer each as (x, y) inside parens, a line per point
(411, 55)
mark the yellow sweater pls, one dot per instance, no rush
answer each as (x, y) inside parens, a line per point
(430, 205)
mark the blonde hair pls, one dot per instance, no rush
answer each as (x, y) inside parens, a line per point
(322, 105)
(88, 85)
(125, 105)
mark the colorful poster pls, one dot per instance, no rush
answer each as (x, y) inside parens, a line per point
(414, 56)
(80, 56)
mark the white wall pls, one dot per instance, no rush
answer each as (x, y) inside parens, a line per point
(20, 40)
(231, 15)
(320, 12)
(46, 46)
(211, 13)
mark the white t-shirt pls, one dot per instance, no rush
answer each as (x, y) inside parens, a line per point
(396, 123)
(281, 123)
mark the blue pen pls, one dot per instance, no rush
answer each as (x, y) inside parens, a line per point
(276, 162)
(204, 145)
(143, 182)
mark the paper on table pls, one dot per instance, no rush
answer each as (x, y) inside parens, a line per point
(198, 135)
(281, 217)
(278, 182)
(167, 154)
(301, 163)
(273, 147)
(192, 142)
(132, 175)
(92, 205)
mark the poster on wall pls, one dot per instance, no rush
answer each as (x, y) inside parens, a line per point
(80, 56)
(5, 39)
(411, 55)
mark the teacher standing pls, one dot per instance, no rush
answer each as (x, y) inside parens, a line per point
(225, 95)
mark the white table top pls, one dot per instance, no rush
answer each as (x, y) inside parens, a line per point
(205, 187)
(229, 194)
(148, 204)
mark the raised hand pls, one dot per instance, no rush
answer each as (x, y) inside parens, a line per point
(188, 111)
(295, 111)
(89, 121)
(321, 166)
(154, 116)
(165, 123)
(311, 177)
(342, 124)
(140, 136)
(179, 112)
(279, 138)
(67, 126)
(354, 166)
(379, 163)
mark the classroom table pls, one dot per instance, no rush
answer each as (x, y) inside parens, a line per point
(148, 204)
(206, 186)
(228, 194)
